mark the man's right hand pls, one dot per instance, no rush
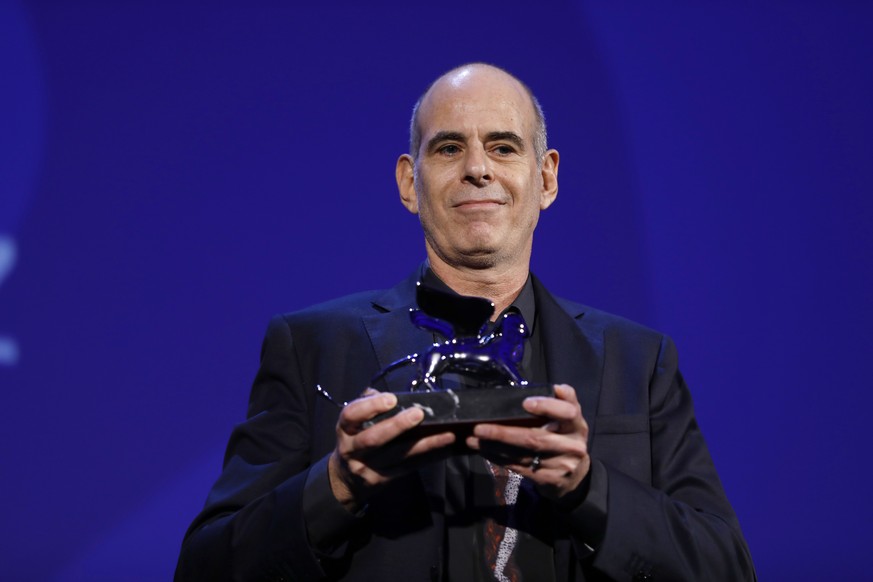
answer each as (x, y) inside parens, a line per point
(367, 458)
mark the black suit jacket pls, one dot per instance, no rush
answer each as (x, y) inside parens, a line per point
(667, 517)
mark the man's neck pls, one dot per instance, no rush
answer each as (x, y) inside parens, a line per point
(499, 285)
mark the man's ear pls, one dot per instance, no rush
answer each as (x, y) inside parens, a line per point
(549, 174)
(405, 174)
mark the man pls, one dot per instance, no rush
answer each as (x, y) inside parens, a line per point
(616, 484)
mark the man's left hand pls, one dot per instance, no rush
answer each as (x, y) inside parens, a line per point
(554, 456)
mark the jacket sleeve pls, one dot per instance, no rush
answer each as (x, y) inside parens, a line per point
(677, 524)
(253, 524)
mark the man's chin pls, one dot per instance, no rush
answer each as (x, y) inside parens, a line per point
(472, 254)
(479, 258)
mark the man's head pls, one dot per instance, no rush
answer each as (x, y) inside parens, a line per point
(475, 176)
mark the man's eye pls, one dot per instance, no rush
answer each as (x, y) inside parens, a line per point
(503, 150)
(449, 149)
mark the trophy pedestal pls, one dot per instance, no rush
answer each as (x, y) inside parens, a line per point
(460, 410)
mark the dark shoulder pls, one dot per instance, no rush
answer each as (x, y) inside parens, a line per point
(629, 348)
(331, 323)
(609, 320)
(596, 322)
(354, 306)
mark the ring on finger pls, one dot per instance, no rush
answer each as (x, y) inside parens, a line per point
(535, 463)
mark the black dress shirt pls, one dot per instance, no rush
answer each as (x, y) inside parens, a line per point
(470, 487)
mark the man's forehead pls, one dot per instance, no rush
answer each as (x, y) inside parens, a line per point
(458, 77)
(477, 74)
(494, 99)
(477, 86)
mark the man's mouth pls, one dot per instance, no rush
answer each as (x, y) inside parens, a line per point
(473, 204)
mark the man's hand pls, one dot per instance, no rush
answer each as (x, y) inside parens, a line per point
(560, 446)
(367, 458)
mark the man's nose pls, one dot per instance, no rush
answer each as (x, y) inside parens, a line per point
(477, 167)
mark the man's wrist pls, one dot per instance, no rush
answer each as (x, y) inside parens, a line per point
(339, 486)
(586, 507)
(574, 498)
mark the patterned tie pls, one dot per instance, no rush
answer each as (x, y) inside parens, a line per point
(500, 538)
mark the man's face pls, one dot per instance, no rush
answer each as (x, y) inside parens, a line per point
(476, 183)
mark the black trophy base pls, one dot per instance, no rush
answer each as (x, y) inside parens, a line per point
(460, 410)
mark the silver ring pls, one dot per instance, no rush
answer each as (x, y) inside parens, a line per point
(535, 463)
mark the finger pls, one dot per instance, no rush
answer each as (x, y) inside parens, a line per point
(405, 455)
(402, 455)
(364, 408)
(551, 408)
(521, 462)
(566, 392)
(431, 443)
(562, 464)
(494, 450)
(549, 470)
(563, 393)
(513, 441)
(383, 432)
(532, 467)
(551, 473)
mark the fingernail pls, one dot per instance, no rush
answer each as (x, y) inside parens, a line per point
(389, 400)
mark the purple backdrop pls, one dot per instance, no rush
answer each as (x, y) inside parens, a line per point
(172, 174)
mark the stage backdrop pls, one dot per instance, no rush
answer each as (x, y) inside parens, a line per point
(174, 173)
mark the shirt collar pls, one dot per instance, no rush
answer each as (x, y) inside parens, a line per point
(525, 302)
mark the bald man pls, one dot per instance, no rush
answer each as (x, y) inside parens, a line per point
(615, 484)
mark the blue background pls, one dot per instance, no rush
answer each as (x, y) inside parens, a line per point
(174, 173)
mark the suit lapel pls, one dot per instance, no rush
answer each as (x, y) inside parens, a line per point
(573, 349)
(393, 336)
(574, 356)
